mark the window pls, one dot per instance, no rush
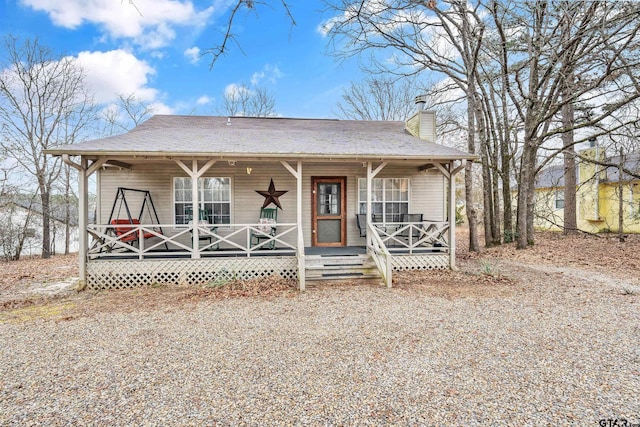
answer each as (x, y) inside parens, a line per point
(559, 199)
(389, 197)
(214, 199)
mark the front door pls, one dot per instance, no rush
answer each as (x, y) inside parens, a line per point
(328, 211)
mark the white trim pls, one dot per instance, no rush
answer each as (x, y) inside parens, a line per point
(202, 201)
(384, 201)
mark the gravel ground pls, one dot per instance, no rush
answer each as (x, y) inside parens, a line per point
(546, 348)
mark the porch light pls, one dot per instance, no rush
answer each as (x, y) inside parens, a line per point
(249, 170)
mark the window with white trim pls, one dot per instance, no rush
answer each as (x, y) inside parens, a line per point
(214, 199)
(389, 197)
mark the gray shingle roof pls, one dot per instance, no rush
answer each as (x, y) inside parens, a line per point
(164, 135)
(631, 163)
(551, 176)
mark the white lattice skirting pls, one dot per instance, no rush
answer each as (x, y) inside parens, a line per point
(124, 274)
(420, 262)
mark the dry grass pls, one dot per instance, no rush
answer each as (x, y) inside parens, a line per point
(602, 253)
(479, 276)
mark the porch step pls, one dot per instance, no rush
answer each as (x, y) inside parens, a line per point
(343, 267)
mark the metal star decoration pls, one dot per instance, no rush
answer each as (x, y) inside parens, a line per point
(271, 195)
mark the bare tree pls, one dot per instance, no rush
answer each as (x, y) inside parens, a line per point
(379, 98)
(42, 103)
(16, 218)
(244, 100)
(549, 43)
(126, 113)
(405, 37)
(236, 9)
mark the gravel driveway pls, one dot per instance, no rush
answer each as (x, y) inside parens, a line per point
(545, 351)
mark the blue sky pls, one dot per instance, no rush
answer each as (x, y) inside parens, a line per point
(155, 53)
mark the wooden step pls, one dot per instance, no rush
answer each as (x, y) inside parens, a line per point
(340, 267)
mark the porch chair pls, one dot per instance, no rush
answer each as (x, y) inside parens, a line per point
(267, 228)
(415, 232)
(203, 219)
(361, 222)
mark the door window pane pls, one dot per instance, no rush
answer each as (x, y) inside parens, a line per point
(328, 199)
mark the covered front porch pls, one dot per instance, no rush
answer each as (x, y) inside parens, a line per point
(120, 255)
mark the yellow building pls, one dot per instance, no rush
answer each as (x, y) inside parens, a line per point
(597, 195)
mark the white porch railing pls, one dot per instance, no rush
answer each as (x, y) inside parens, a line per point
(379, 253)
(413, 237)
(144, 240)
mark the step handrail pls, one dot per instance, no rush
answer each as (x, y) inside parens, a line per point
(379, 253)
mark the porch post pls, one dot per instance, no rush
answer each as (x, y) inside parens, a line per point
(452, 212)
(452, 218)
(195, 175)
(83, 208)
(369, 179)
(297, 174)
(195, 209)
(301, 260)
(83, 220)
(371, 173)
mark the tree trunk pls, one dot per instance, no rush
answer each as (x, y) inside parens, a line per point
(570, 181)
(486, 199)
(620, 198)
(507, 201)
(474, 246)
(495, 181)
(527, 173)
(570, 188)
(470, 209)
(489, 203)
(531, 192)
(46, 222)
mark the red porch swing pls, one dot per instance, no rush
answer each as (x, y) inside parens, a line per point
(123, 226)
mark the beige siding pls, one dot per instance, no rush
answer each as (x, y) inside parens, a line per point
(427, 191)
(422, 125)
(245, 206)
(428, 126)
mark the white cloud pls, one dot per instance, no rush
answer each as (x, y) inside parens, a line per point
(270, 73)
(150, 23)
(234, 90)
(193, 54)
(160, 108)
(256, 77)
(157, 54)
(203, 100)
(115, 72)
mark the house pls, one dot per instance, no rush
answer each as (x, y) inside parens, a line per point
(597, 194)
(21, 217)
(315, 175)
